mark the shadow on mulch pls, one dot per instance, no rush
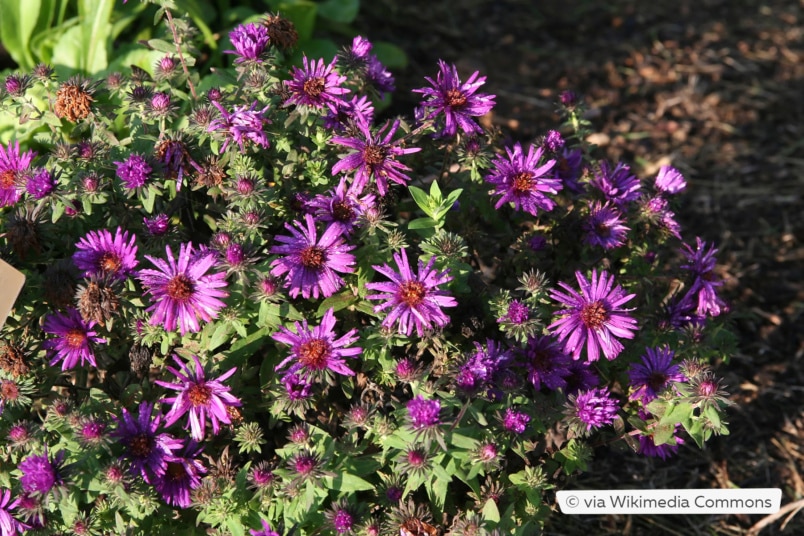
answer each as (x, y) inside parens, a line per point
(712, 87)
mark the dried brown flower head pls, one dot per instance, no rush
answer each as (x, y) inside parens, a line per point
(74, 100)
(281, 31)
(12, 359)
(97, 301)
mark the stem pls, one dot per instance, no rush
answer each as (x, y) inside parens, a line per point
(177, 42)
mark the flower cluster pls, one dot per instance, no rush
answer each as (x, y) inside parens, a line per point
(254, 306)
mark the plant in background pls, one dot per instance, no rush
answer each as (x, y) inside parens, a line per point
(255, 251)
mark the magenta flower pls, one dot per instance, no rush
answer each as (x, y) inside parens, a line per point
(656, 373)
(41, 184)
(74, 339)
(241, 125)
(604, 226)
(358, 110)
(313, 351)
(375, 157)
(519, 179)
(424, 413)
(342, 206)
(13, 164)
(701, 263)
(482, 365)
(8, 525)
(316, 85)
(157, 225)
(148, 451)
(593, 317)
(515, 421)
(669, 180)
(40, 474)
(100, 254)
(133, 172)
(250, 41)
(265, 531)
(378, 77)
(594, 408)
(617, 185)
(517, 313)
(546, 362)
(309, 263)
(457, 101)
(413, 300)
(199, 397)
(181, 477)
(182, 290)
(568, 168)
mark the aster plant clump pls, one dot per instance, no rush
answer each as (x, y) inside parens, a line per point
(255, 304)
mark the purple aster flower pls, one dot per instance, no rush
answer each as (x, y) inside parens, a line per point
(414, 300)
(157, 225)
(423, 413)
(309, 263)
(553, 141)
(250, 41)
(133, 172)
(520, 180)
(515, 421)
(181, 476)
(593, 317)
(297, 387)
(266, 530)
(568, 169)
(40, 474)
(375, 157)
(74, 339)
(546, 362)
(41, 184)
(481, 367)
(91, 432)
(316, 85)
(617, 185)
(341, 518)
(8, 525)
(160, 105)
(147, 451)
(358, 110)
(13, 164)
(342, 206)
(669, 180)
(604, 226)
(656, 373)
(182, 290)
(379, 77)
(594, 408)
(518, 313)
(457, 101)
(241, 125)
(701, 263)
(100, 254)
(315, 350)
(199, 397)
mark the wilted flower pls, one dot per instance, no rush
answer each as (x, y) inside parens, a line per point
(244, 123)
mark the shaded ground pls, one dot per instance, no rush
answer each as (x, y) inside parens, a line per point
(715, 88)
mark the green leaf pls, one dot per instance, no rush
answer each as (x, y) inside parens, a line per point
(339, 301)
(390, 55)
(17, 24)
(95, 18)
(421, 198)
(435, 193)
(222, 333)
(422, 223)
(348, 483)
(663, 433)
(344, 11)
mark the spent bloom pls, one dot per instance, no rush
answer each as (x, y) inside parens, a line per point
(41, 473)
(101, 254)
(604, 226)
(74, 339)
(593, 317)
(375, 156)
(199, 397)
(594, 408)
(244, 123)
(413, 300)
(250, 42)
(133, 172)
(182, 290)
(316, 85)
(147, 451)
(314, 350)
(12, 164)
(310, 263)
(669, 180)
(457, 101)
(656, 372)
(519, 179)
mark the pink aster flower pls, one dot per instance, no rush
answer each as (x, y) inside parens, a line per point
(342, 206)
(12, 165)
(617, 185)
(182, 290)
(250, 42)
(8, 525)
(74, 339)
(457, 101)
(200, 397)
(593, 317)
(309, 263)
(519, 179)
(40, 474)
(182, 475)
(603, 226)
(240, 125)
(315, 350)
(670, 180)
(316, 85)
(100, 254)
(414, 300)
(133, 172)
(375, 157)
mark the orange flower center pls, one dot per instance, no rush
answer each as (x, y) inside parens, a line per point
(313, 354)
(141, 446)
(180, 288)
(110, 262)
(374, 155)
(7, 179)
(314, 86)
(313, 257)
(412, 293)
(593, 315)
(75, 338)
(199, 395)
(342, 211)
(455, 98)
(523, 182)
